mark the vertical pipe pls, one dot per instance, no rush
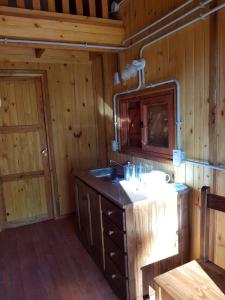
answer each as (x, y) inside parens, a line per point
(178, 118)
(115, 144)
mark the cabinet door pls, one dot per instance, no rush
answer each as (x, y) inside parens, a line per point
(77, 211)
(96, 227)
(83, 213)
(158, 131)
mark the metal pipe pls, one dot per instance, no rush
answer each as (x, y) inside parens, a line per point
(201, 17)
(158, 21)
(122, 2)
(142, 81)
(116, 48)
(142, 77)
(116, 141)
(200, 6)
(178, 102)
(178, 125)
(202, 164)
(52, 43)
(148, 86)
(213, 10)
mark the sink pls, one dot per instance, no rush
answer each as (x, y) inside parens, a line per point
(108, 174)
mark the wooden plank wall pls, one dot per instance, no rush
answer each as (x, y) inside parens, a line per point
(92, 8)
(187, 57)
(73, 89)
(220, 140)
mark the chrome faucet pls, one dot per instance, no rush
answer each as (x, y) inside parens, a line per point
(115, 163)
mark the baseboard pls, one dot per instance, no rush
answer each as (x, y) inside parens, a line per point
(65, 216)
(28, 221)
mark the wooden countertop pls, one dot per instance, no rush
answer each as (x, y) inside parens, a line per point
(189, 281)
(115, 192)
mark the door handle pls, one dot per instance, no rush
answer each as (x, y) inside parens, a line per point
(44, 152)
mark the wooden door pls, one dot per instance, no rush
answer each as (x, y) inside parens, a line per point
(24, 161)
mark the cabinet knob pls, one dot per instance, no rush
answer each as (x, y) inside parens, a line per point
(113, 276)
(111, 254)
(109, 213)
(111, 232)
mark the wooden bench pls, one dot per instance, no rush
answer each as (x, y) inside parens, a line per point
(200, 279)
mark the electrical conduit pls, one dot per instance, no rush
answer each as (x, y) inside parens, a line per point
(176, 82)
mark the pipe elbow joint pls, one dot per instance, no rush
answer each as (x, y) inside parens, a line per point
(177, 82)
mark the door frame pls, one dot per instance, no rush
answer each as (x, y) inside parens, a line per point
(53, 203)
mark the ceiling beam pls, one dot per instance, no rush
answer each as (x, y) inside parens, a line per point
(27, 55)
(34, 25)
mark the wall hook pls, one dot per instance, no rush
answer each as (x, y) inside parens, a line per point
(77, 135)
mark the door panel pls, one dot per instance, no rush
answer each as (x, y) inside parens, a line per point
(20, 153)
(19, 105)
(24, 167)
(25, 199)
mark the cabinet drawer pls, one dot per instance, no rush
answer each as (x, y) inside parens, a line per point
(118, 236)
(114, 213)
(116, 255)
(118, 283)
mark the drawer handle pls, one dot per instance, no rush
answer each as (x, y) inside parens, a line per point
(113, 276)
(111, 232)
(109, 212)
(111, 254)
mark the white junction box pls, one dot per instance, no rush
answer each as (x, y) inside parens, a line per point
(178, 157)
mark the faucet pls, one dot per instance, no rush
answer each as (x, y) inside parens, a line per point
(118, 168)
(115, 163)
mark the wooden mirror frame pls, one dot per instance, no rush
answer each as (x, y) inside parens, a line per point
(166, 95)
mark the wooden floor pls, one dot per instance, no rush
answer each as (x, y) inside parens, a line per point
(46, 261)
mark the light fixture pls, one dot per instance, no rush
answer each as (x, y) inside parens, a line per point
(115, 6)
(131, 70)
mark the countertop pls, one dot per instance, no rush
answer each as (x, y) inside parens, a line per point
(116, 193)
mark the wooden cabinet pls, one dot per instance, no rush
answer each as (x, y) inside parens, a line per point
(88, 220)
(83, 214)
(96, 227)
(115, 238)
(100, 226)
(158, 131)
(127, 243)
(147, 123)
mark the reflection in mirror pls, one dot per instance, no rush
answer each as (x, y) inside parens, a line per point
(157, 122)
